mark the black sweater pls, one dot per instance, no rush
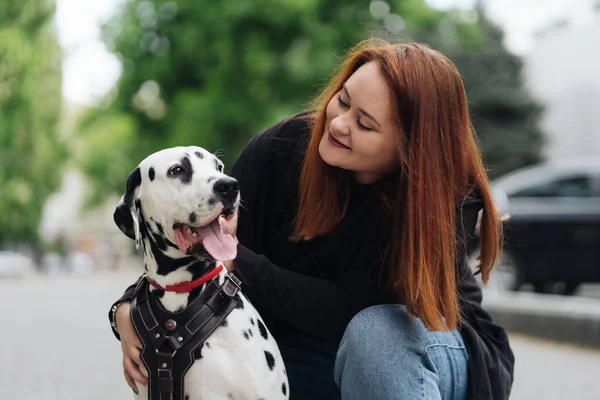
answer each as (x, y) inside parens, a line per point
(315, 287)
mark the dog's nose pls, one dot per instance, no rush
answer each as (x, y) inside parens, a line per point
(227, 189)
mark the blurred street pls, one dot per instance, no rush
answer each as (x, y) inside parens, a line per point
(57, 345)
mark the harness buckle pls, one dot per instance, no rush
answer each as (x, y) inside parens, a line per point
(234, 279)
(228, 289)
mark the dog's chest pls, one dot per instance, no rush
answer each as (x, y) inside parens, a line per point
(239, 360)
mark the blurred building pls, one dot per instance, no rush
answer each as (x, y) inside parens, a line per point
(563, 72)
(78, 230)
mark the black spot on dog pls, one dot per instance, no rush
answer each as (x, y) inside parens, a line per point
(246, 335)
(159, 240)
(250, 332)
(270, 360)
(283, 388)
(239, 302)
(187, 397)
(199, 155)
(134, 180)
(151, 174)
(224, 323)
(158, 236)
(122, 215)
(198, 352)
(193, 217)
(230, 396)
(212, 201)
(186, 177)
(263, 329)
(207, 345)
(252, 321)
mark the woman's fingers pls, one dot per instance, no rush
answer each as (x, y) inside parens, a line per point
(135, 341)
(228, 226)
(130, 380)
(135, 355)
(133, 370)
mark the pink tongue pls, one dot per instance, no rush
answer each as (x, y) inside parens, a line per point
(219, 245)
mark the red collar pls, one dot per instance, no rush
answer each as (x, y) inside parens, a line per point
(186, 287)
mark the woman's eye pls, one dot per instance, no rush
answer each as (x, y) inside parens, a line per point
(363, 127)
(177, 170)
(341, 102)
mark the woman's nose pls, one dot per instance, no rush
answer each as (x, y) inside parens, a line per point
(340, 126)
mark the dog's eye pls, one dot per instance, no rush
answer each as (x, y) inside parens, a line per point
(220, 167)
(176, 170)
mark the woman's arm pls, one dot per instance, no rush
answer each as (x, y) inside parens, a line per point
(315, 305)
(318, 306)
(112, 313)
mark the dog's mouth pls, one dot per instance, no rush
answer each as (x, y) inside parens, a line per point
(207, 240)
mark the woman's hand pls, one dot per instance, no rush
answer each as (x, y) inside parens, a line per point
(229, 227)
(131, 347)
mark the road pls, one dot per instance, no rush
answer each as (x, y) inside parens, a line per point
(56, 344)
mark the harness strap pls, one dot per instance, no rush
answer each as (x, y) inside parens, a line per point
(164, 351)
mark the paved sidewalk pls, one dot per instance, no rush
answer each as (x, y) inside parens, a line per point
(550, 371)
(56, 344)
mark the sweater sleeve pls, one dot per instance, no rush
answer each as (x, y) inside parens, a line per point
(318, 306)
(491, 359)
(127, 296)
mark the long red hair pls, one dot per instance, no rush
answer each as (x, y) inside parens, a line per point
(440, 164)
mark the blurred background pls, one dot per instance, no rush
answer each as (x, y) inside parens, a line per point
(90, 88)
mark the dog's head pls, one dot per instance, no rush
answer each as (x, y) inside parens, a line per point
(174, 198)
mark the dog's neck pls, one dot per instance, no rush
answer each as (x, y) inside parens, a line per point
(166, 265)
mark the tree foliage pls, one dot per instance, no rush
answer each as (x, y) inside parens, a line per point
(30, 100)
(215, 73)
(504, 114)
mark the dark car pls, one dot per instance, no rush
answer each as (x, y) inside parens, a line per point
(552, 235)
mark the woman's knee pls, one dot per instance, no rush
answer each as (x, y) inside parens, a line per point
(376, 339)
(383, 347)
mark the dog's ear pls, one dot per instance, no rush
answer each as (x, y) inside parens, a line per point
(126, 214)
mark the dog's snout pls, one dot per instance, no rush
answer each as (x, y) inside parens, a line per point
(227, 189)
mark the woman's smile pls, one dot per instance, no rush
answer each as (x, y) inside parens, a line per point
(336, 143)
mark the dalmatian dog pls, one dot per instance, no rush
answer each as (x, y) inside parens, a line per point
(173, 208)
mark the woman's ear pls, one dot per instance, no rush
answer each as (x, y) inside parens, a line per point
(126, 215)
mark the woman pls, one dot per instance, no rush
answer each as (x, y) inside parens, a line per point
(352, 237)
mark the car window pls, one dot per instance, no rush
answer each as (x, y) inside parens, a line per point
(573, 186)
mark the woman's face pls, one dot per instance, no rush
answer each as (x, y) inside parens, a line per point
(360, 130)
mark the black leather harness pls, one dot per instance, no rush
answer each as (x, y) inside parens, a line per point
(170, 339)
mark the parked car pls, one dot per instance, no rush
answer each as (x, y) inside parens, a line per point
(15, 265)
(552, 235)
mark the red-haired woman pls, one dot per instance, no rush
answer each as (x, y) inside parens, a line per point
(352, 237)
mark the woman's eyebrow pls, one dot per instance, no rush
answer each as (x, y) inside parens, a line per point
(366, 114)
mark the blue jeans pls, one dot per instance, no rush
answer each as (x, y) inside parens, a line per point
(384, 355)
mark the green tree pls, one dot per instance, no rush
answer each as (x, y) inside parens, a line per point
(504, 114)
(31, 152)
(215, 73)
(506, 117)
